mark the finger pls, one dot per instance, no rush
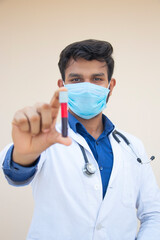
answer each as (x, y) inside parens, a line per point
(45, 112)
(62, 140)
(33, 119)
(21, 121)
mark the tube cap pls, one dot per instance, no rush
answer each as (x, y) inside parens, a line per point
(63, 97)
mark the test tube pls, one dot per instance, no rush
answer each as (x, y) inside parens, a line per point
(63, 99)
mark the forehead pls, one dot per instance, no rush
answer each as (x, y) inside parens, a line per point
(82, 66)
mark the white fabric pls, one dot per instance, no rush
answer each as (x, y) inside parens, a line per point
(69, 205)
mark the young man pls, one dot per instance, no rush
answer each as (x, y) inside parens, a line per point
(73, 203)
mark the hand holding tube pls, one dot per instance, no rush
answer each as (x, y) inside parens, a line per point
(33, 130)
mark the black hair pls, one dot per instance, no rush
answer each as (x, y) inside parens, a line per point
(89, 50)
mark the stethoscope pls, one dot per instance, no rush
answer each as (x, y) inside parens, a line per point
(89, 169)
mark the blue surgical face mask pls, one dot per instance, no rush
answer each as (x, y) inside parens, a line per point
(87, 100)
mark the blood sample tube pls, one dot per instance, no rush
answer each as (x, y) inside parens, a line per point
(63, 99)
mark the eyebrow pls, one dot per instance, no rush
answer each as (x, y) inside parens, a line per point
(75, 75)
(98, 74)
(80, 75)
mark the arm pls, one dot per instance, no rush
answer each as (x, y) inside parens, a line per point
(33, 131)
(148, 206)
(16, 174)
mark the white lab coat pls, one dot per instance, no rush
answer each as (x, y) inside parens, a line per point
(69, 205)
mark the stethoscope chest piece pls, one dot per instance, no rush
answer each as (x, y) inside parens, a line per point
(89, 169)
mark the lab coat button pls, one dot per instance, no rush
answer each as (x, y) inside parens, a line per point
(99, 226)
(96, 186)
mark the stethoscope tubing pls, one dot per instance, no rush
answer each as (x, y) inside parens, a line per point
(89, 169)
(130, 146)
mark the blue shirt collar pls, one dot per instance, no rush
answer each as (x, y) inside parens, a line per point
(76, 126)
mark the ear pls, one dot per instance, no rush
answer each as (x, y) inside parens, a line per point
(112, 85)
(60, 83)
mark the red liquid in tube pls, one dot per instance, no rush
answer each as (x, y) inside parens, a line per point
(63, 99)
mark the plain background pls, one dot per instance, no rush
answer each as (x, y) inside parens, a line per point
(32, 34)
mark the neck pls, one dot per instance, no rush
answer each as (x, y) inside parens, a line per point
(94, 126)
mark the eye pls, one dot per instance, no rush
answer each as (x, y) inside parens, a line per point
(97, 79)
(75, 80)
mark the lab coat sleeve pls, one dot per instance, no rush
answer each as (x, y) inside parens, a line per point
(16, 174)
(148, 204)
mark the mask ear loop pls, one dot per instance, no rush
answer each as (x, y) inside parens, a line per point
(109, 91)
(109, 85)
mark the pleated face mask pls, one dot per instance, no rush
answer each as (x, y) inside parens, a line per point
(87, 100)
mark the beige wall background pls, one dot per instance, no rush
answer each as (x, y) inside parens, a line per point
(32, 34)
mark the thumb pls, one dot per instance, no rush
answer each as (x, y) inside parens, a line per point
(67, 141)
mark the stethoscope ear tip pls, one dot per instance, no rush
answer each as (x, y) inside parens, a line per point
(139, 160)
(151, 159)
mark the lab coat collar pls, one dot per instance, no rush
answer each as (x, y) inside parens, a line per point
(117, 159)
(78, 138)
(75, 136)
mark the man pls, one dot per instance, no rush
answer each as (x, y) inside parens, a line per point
(104, 201)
